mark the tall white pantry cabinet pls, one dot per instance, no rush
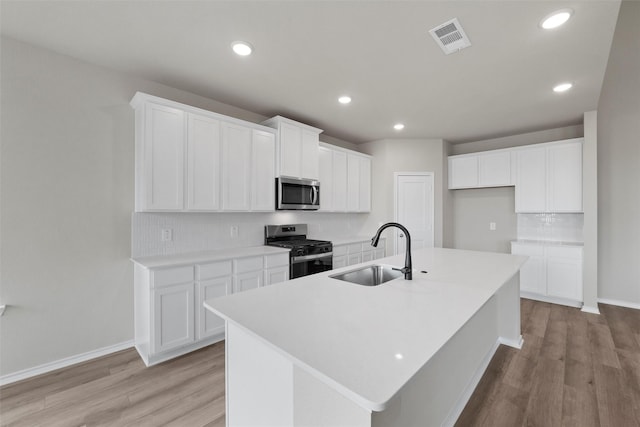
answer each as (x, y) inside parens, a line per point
(190, 160)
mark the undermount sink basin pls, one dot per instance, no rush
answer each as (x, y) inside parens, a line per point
(371, 275)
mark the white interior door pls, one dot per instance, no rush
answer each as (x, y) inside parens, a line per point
(414, 209)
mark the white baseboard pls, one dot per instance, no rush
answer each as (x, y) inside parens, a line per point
(619, 303)
(518, 343)
(588, 309)
(471, 386)
(63, 363)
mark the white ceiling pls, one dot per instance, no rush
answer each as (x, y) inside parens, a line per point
(307, 53)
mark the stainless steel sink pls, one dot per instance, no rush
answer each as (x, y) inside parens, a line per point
(371, 275)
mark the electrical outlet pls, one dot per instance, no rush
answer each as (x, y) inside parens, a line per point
(233, 231)
(167, 235)
(492, 226)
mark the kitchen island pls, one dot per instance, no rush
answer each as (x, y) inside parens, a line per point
(320, 351)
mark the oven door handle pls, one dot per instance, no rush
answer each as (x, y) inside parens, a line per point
(297, 259)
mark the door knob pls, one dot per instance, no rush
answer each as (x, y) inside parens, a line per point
(401, 235)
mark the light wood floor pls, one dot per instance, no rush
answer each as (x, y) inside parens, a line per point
(575, 369)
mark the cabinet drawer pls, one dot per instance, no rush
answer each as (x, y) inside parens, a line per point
(215, 269)
(572, 252)
(340, 250)
(171, 276)
(276, 260)
(244, 265)
(527, 249)
(354, 248)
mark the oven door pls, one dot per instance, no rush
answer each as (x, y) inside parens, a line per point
(310, 264)
(292, 193)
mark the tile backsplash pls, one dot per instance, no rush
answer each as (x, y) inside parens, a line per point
(191, 232)
(557, 227)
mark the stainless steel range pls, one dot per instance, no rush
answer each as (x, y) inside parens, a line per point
(307, 256)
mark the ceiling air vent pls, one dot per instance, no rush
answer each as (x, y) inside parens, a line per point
(450, 36)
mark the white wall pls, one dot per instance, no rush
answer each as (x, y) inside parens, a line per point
(66, 188)
(619, 164)
(403, 155)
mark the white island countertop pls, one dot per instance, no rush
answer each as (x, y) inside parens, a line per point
(368, 342)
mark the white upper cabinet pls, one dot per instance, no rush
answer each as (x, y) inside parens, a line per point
(358, 182)
(263, 171)
(494, 169)
(480, 170)
(531, 183)
(549, 178)
(236, 167)
(296, 147)
(345, 180)
(160, 146)
(353, 183)
(326, 178)
(339, 189)
(203, 163)
(189, 159)
(565, 177)
(463, 172)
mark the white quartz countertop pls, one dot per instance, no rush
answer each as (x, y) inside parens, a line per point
(367, 342)
(176, 260)
(548, 242)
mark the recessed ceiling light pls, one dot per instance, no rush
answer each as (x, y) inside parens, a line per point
(398, 126)
(242, 48)
(562, 87)
(344, 99)
(555, 19)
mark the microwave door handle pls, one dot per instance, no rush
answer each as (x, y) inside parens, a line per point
(315, 195)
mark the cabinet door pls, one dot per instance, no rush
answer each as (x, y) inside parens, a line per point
(326, 178)
(339, 181)
(532, 273)
(309, 155)
(494, 169)
(246, 281)
(463, 172)
(290, 150)
(365, 184)
(263, 171)
(236, 167)
(208, 323)
(164, 147)
(565, 178)
(353, 183)
(276, 275)
(203, 163)
(173, 317)
(531, 182)
(564, 278)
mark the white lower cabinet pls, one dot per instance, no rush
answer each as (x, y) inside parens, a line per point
(170, 318)
(552, 273)
(213, 280)
(173, 317)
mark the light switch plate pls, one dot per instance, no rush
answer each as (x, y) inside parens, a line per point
(492, 226)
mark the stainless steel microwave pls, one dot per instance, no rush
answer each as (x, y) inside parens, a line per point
(297, 194)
